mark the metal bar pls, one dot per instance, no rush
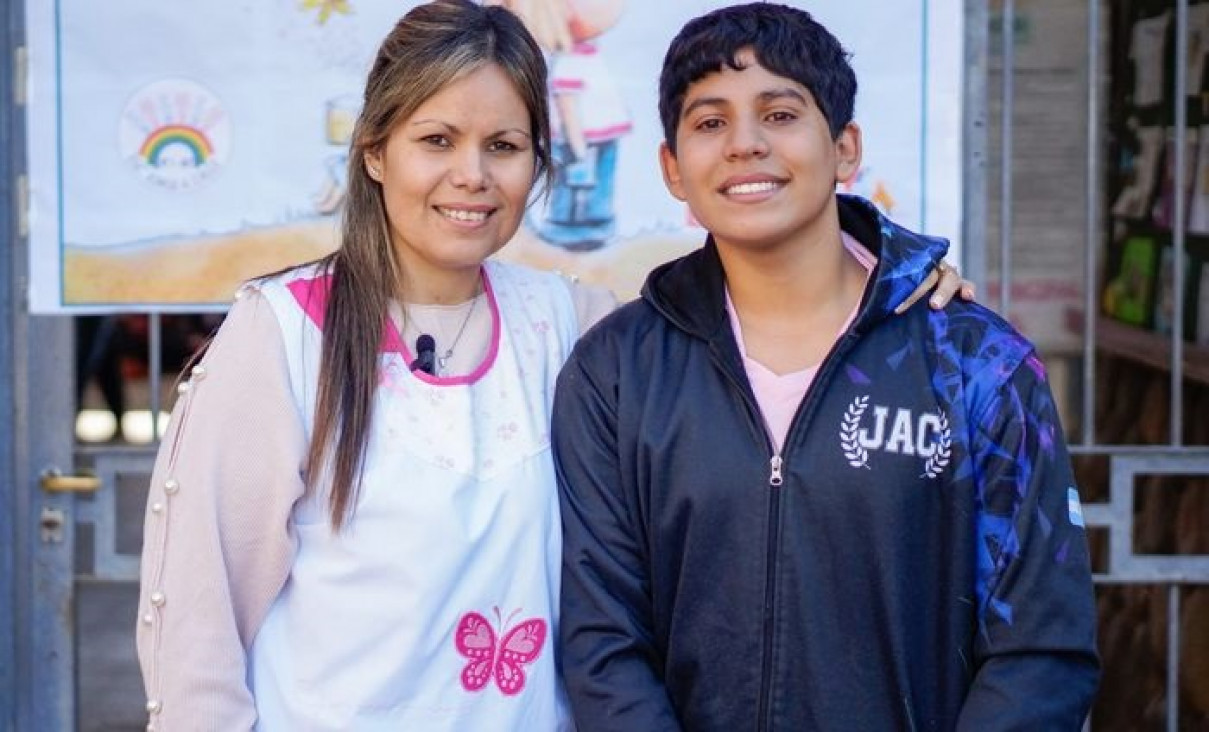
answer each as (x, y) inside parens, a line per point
(923, 117)
(1157, 450)
(1090, 264)
(1138, 461)
(54, 483)
(45, 559)
(112, 468)
(1117, 515)
(154, 370)
(1121, 472)
(1179, 234)
(1151, 570)
(1008, 54)
(974, 143)
(9, 493)
(1146, 577)
(1173, 657)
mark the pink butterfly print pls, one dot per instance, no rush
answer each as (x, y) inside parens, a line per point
(475, 639)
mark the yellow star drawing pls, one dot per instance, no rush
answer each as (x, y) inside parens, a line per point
(327, 7)
(882, 197)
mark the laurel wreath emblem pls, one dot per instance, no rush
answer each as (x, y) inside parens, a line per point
(858, 456)
(940, 459)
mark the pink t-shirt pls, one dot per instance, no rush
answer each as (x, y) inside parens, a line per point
(778, 396)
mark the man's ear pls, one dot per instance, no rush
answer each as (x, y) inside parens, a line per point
(671, 171)
(848, 153)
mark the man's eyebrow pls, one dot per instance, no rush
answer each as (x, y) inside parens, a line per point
(702, 102)
(785, 92)
(772, 95)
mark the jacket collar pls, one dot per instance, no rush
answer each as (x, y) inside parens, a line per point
(690, 291)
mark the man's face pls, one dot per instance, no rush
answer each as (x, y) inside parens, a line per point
(755, 160)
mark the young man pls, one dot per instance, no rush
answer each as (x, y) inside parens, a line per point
(785, 509)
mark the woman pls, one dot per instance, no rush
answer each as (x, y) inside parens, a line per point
(353, 521)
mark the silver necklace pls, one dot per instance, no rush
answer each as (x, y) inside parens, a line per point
(443, 358)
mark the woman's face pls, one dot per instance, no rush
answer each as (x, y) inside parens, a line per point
(456, 176)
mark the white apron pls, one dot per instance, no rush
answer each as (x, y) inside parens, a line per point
(435, 608)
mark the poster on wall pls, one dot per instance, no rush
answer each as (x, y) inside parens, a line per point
(174, 153)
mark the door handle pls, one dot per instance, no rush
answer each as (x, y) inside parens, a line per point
(55, 482)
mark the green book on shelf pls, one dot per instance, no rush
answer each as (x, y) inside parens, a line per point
(1127, 297)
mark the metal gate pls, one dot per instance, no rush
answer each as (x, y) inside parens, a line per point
(1136, 473)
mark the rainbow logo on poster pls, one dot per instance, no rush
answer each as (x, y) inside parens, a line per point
(190, 138)
(175, 133)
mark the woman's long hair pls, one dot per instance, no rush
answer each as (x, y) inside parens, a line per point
(432, 46)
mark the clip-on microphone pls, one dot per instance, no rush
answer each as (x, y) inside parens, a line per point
(426, 355)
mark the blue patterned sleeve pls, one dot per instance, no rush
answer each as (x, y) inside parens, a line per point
(1036, 665)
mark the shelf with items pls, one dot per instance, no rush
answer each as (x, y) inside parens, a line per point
(1150, 348)
(1138, 286)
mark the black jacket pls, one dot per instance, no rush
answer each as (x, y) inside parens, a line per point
(913, 560)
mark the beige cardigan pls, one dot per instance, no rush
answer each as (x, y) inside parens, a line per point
(218, 540)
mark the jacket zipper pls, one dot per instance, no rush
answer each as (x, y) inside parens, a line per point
(775, 480)
(774, 476)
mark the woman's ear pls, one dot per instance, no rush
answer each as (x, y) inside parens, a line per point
(373, 165)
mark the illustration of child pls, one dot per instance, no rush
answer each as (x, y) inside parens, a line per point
(589, 118)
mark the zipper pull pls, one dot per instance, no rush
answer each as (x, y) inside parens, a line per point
(775, 479)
